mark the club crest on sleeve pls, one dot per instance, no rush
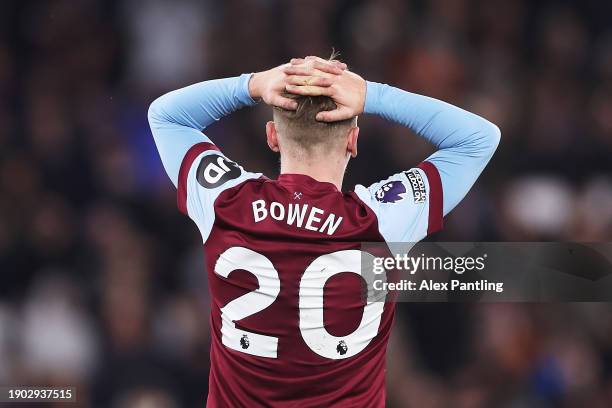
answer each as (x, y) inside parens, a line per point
(214, 170)
(417, 184)
(391, 192)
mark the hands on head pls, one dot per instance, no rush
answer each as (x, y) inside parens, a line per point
(312, 76)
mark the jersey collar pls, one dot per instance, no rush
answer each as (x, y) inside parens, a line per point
(305, 181)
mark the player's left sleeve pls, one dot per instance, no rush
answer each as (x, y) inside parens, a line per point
(466, 142)
(408, 205)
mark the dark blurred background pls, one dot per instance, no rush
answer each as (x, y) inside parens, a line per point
(102, 282)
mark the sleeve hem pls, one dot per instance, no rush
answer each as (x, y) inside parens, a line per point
(245, 96)
(372, 97)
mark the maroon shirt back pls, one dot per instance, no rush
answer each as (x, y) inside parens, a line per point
(289, 322)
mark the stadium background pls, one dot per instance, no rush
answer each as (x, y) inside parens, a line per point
(101, 278)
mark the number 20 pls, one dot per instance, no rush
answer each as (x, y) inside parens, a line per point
(312, 328)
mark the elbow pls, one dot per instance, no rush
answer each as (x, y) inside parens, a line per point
(490, 136)
(160, 109)
(155, 112)
(494, 136)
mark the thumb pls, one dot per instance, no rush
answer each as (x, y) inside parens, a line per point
(338, 114)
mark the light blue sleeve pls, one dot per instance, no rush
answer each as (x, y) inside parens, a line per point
(466, 141)
(178, 117)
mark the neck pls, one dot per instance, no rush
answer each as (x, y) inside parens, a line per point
(330, 171)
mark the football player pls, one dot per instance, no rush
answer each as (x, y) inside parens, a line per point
(289, 325)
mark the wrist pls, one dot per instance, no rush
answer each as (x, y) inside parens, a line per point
(363, 96)
(255, 85)
(242, 91)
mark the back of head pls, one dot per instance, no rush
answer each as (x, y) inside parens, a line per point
(303, 134)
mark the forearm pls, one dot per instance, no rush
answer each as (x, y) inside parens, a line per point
(466, 141)
(178, 117)
(201, 104)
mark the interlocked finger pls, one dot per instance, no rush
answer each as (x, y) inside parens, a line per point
(320, 62)
(309, 90)
(306, 70)
(302, 80)
(326, 66)
(311, 66)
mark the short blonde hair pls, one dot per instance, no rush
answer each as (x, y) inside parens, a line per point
(301, 128)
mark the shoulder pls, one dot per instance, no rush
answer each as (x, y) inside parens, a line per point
(405, 204)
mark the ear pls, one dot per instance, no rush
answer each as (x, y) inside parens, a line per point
(272, 136)
(351, 145)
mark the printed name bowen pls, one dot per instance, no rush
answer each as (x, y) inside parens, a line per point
(296, 213)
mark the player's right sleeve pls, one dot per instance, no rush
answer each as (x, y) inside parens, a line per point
(204, 174)
(178, 118)
(465, 141)
(192, 161)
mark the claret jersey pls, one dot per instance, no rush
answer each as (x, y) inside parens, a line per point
(289, 325)
(288, 322)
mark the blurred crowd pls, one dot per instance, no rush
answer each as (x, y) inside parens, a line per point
(102, 284)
